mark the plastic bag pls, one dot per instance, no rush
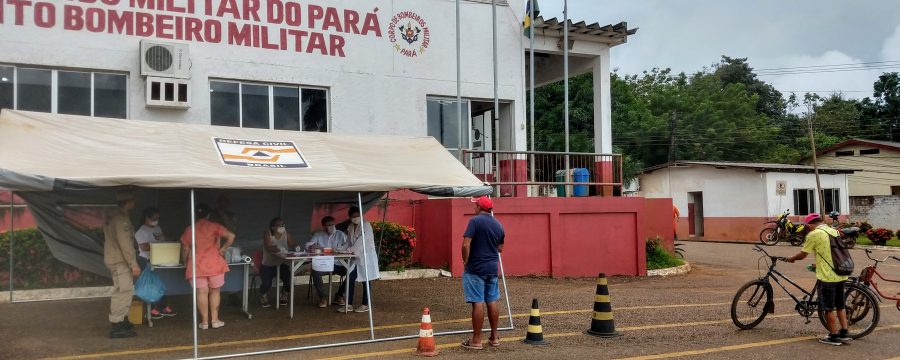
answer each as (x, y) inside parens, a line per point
(149, 287)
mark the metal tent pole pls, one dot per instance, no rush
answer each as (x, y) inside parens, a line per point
(194, 268)
(362, 225)
(458, 86)
(566, 84)
(506, 293)
(12, 238)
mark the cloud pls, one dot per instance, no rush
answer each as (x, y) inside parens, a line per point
(890, 51)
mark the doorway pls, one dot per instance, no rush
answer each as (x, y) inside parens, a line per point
(695, 213)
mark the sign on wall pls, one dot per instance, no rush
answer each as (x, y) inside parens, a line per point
(781, 187)
(409, 34)
(256, 153)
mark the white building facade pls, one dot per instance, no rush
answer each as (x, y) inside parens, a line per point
(732, 201)
(356, 66)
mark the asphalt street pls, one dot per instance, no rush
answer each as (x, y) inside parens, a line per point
(676, 317)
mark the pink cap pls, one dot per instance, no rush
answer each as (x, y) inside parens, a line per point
(812, 217)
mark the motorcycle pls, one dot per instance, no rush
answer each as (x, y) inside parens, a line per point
(849, 234)
(783, 229)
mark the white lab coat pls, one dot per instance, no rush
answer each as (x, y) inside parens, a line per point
(366, 265)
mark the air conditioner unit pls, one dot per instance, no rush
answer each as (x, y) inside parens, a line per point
(165, 59)
(168, 93)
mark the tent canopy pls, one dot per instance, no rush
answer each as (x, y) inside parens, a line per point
(42, 152)
(67, 168)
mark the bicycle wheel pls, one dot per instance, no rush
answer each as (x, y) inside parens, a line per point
(863, 313)
(751, 304)
(769, 236)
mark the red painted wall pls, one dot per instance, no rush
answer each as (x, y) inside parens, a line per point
(658, 221)
(547, 236)
(21, 215)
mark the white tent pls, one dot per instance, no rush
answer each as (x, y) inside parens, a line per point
(65, 166)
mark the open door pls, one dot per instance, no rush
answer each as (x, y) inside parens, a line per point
(695, 214)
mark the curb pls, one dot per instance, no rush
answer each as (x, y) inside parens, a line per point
(877, 247)
(678, 270)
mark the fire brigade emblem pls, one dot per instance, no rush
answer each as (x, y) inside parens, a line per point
(409, 34)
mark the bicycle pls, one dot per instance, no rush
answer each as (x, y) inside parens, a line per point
(860, 302)
(867, 277)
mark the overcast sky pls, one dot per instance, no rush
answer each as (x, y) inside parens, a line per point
(686, 35)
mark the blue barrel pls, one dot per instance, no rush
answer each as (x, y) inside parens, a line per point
(581, 176)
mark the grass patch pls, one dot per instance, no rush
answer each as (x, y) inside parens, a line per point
(659, 258)
(863, 240)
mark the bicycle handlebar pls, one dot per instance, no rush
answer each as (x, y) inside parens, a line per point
(760, 249)
(869, 255)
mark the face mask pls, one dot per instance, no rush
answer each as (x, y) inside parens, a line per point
(154, 223)
(281, 229)
(332, 229)
(355, 220)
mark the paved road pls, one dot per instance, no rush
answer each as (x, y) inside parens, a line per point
(685, 316)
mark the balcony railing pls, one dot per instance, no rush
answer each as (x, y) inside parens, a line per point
(544, 173)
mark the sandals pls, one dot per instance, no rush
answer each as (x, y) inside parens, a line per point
(494, 342)
(468, 345)
(217, 324)
(203, 326)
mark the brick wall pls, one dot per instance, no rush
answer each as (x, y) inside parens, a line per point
(882, 211)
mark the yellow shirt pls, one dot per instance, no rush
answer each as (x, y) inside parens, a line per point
(819, 244)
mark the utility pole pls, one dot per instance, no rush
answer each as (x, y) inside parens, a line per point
(812, 143)
(672, 124)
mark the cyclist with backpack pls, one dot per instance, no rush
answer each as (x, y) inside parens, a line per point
(833, 265)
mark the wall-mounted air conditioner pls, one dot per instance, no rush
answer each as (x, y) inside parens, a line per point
(168, 93)
(165, 59)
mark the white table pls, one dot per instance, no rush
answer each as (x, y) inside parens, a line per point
(183, 287)
(299, 259)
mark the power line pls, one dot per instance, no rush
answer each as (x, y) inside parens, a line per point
(830, 65)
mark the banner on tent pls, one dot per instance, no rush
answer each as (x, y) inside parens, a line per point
(260, 153)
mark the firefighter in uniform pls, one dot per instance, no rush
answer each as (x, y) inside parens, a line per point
(119, 257)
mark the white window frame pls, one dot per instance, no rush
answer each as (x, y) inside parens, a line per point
(54, 85)
(467, 119)
(811, 201)
(835, 200)
(271, 91)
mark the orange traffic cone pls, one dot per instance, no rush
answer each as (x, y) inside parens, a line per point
(426, 336)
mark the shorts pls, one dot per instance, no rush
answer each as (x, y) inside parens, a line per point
(480, 288)
(212, 282)
(831, 296)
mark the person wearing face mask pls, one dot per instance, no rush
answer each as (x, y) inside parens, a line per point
(150, 233)
(361, 240)
(328, 237)
(276, 242)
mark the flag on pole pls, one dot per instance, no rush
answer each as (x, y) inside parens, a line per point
(528, 20)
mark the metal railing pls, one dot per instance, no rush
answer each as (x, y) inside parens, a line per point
(545, 173)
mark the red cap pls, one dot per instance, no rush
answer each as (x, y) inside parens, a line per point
(484, 202)
(812, 217)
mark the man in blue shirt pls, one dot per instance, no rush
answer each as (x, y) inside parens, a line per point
(482, 244)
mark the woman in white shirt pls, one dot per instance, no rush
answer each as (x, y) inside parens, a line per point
(276, 242)
(147, 234)
(362, 244)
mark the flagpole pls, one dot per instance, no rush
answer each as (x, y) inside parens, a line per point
(531, 77)
(459, 87)
(566, 81)
(496, 77)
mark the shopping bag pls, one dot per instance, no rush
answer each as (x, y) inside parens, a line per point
(149, 287)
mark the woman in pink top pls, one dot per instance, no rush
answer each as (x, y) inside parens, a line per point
(211, 265)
